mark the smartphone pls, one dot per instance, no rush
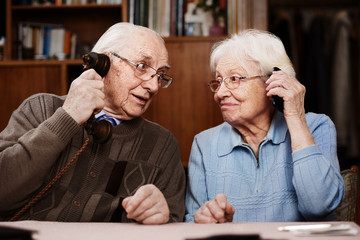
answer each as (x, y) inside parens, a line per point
(277, 101)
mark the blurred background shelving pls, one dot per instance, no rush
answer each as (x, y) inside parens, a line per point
(187, 107)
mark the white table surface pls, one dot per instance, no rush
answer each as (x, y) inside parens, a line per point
(173, 231)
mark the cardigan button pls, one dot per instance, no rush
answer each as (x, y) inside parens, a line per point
(92, 174)
(77, 203)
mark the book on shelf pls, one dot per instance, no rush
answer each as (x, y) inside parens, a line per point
(45, 41)
(167, 17)
(38, 42)
(57, 39)
(139, 12)
(231, 16)
(67, 42)
(154, 14)
(66, 2)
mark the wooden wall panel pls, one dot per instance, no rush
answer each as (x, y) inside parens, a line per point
(187, 106)
(19, 82)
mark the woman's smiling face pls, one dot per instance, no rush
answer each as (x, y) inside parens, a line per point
(246, 102)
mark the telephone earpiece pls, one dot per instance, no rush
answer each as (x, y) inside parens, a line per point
(98, 61)
(277, 101)
(101, 131)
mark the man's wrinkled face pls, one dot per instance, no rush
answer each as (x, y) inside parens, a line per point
(127, 95)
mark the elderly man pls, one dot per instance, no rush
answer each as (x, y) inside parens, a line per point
(136, 175)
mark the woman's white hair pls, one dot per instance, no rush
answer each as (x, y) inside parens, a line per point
(250, 47)
(119, 36)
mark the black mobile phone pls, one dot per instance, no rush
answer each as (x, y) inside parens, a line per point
(101, 131)
(277, 101)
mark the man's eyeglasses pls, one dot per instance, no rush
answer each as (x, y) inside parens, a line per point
(231, 82)
(146, 72)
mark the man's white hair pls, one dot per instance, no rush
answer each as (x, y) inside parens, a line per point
(119, 36)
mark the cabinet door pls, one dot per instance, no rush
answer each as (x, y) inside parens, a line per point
(19, 82)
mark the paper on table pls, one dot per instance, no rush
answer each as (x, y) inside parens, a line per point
(328, 229)
(304, 227)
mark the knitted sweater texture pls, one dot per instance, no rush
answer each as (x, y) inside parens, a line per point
(41, 138)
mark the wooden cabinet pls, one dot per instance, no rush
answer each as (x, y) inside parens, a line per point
(185, 108)
(87, 21)
(20, 79)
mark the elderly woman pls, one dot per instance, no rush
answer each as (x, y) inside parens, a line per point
(262, 164)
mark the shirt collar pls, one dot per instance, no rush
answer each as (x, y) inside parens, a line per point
(229, 137)
(118, 121)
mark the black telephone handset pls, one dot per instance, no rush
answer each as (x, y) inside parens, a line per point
(98, 61)
(101, 131)
(277, 101)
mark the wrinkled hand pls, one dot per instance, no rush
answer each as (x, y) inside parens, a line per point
(215, 211)
(293, 93)
(289, 89)
(148, 206)
(85, 96)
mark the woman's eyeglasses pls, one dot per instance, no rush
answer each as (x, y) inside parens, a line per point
(231, 82)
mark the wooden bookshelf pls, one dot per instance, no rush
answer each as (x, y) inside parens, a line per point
(21, 78)
(87, 21)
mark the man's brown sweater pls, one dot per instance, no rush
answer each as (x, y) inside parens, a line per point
(41, 138)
